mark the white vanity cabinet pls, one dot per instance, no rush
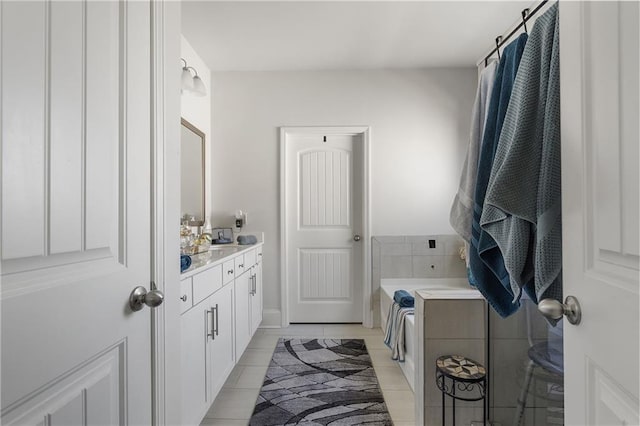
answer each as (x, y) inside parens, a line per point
(256, 295)
(243, 312)
(248, 298)
(220, 343)
(194, 361)
(221, 306)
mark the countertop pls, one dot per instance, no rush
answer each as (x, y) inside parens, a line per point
(217, 254)
(457, 293)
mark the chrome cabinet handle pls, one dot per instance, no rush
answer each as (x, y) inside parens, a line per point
(211, 334)
(553, 309)
(356, 238)
(140, 296)
(230, 271)
(241, 265)
(183, 298)
(217, 322)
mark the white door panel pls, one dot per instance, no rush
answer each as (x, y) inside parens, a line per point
(75, 212)
(600, 97)
(324, 188)
(325, 274)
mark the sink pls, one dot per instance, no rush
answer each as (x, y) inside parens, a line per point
(228, 249)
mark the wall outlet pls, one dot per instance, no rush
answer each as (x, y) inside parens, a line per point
(432, 243)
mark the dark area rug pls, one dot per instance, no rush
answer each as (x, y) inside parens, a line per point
(320, 382)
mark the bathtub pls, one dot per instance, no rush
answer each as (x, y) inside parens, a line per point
(388, 286)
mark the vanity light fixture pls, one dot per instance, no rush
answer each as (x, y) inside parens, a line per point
(192, 83)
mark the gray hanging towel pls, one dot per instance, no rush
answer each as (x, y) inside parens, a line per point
(522, 209)
(493, 282)
(462, 208)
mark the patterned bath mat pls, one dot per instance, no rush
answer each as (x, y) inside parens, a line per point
(320, 382)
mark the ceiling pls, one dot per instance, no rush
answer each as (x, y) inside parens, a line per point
(335, 35)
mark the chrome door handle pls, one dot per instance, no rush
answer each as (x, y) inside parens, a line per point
(140, 296)
(356, 238)
(183, 298)
(554, 310)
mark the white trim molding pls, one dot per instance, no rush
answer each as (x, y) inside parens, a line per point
(365, 133)
(165, 202)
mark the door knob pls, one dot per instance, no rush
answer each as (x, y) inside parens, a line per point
(140, 296)
(356, 237)
(554, 310)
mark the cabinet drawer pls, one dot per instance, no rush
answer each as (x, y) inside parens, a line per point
(250, 258)
(206, 283)
(186, 296)
(228, 271)
(240, 265)
(259, 254)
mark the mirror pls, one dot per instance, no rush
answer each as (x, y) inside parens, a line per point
(191, 171)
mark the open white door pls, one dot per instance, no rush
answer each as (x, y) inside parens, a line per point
(599, 90)
(75, 212)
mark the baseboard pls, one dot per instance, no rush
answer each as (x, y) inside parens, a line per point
(271, 318)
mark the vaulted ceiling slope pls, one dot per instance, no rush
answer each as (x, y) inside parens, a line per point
(335, 35)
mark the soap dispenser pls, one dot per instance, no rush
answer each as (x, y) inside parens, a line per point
(241, 219)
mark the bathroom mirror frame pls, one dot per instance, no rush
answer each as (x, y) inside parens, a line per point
(202, 181)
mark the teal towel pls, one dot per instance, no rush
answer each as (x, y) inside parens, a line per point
(493, 281)
(185, 262)
(247, 239)
(403, 298)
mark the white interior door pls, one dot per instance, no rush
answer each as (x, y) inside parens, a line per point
(599, 83)
(324, 211)
(75, 212)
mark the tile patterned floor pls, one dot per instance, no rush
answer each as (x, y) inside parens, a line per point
(236, 400)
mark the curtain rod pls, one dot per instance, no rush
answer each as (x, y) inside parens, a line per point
(500, 40)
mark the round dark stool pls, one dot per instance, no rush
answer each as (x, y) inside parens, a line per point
(462, 379)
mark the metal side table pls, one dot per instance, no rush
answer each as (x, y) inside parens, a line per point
(462, 379)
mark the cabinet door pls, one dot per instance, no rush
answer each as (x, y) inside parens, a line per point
(194, 354)
(221, 347)
(242, 312)
(256, 299)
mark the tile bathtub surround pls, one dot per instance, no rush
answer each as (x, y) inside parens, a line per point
(235, 402)
(410, 256)
(449, 327)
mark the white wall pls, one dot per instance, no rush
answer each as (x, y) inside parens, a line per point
(420, 125)
(197, 110)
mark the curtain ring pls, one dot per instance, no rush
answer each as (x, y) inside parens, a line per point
(498, 41)
(525, 14)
